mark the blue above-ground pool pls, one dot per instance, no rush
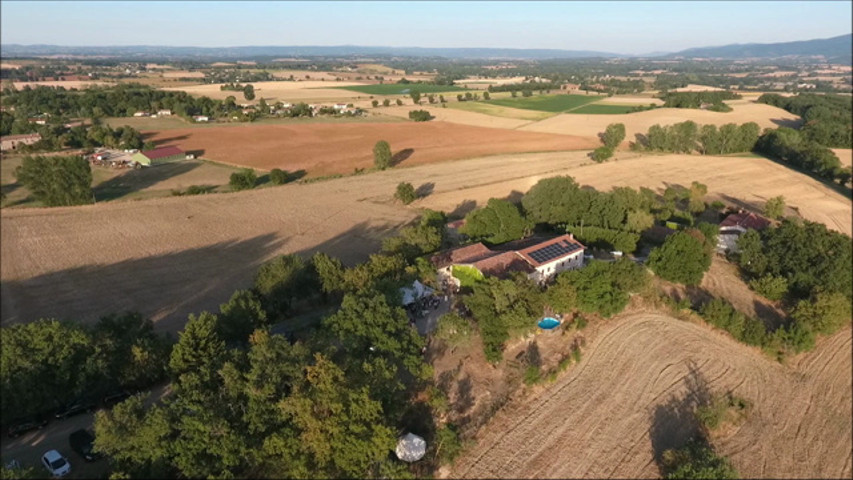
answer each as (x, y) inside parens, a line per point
(548, 323)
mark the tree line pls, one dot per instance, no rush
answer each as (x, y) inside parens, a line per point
(697, 99)
(827, 117)
(688, 137)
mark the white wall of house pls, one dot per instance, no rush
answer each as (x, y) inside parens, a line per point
(547, 271)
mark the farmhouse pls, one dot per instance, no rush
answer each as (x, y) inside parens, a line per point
(540, 262)
(12, 142)
(735, 225)
(158, 156)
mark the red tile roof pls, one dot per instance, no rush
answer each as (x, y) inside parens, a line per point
(466, 254)
(23, 136)
(746, 220)
(162, 152)
(503, 263)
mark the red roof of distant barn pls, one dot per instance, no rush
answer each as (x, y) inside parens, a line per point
(162, 152)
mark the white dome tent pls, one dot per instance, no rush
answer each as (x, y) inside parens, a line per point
(410, 448)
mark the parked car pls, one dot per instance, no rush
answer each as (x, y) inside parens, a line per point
(55, 463)
(82, 442)
(26, 424)
(76, 407)
(115, 397)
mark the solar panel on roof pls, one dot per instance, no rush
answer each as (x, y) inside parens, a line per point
(546, 254)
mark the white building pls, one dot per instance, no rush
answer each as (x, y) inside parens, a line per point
(541, 262)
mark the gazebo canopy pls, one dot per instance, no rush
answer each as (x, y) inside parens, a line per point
(410, 448)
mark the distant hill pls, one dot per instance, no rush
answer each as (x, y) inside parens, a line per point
(838, 49)
(144, 51)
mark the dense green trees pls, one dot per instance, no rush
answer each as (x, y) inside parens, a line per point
(503, 308)
(600, 287)
(684, 257)
(48, 362)
(249, 92)
(278, 176)
(827, 117)
(808, 255)
(245, 179)
(498, 222)
(57, 181)
(382, 155)
(697, 460)
(427, 236)
(281, 280)
(713, 100)
(686, 137)
(789, 146)
(420, 115)
(613, 135)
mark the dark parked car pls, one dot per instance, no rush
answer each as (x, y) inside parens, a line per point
(116, 397)
(26, 424)
(82, 442)
(76, 407)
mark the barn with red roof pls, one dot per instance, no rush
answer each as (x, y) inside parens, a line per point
(159, 156)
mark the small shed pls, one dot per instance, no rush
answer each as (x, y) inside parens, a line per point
(410, 448)
(158, 156)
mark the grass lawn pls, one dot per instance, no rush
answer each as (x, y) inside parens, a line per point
(499, 111)
(547, 103)
(601, 109)
(468, 276)
(402, 89)
(149, 123)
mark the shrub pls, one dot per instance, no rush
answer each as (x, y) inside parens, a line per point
(278, 176)
(245, 179)
(601, 154)
(420, 116)
(683, 258)
(532, 375)
(450, 446)
(453, 329)
(405, 193)
(770, 286)
(382, 155)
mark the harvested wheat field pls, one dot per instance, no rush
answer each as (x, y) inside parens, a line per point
(497, 117)
(845, 155)
(307, 90)
(738, 181)
(632, 395)
(322, 149)
(766, 116)
(172, 256)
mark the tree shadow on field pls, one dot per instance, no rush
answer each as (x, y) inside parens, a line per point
(165, 288)
(161, 142)
(673, 423)
(402, 155)
(532, 355)
(514, 197)
(772, 318)
(134, 180)
(741, 204)
(464, 394)
(425, 189)
(462, 209)
(787, 122)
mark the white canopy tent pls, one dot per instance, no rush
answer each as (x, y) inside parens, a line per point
(416, 291)
(411, 448)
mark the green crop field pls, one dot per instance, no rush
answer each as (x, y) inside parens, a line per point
(402, 88)
(600, 109)
(547, 103)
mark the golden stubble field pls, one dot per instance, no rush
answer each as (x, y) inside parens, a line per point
(305, 90)
(169, 257)
(766, 116)
(633, 393)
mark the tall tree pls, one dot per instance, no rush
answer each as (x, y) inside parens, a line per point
(382, 155)
(498, 222)
(57, 181)
(613, 135)
(683, 258)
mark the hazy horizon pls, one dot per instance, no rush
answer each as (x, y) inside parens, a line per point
(614, 27)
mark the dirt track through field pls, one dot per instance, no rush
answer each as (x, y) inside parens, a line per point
(168, 257)
(632, 396)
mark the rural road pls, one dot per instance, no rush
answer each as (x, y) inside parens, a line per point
(169, 257)
(29, 447)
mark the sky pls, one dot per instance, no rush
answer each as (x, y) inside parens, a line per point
(618, 27)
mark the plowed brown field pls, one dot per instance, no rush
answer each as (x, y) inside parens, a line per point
(322, 149)
(632, 396)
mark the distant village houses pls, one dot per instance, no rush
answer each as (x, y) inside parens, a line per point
(13, 142)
